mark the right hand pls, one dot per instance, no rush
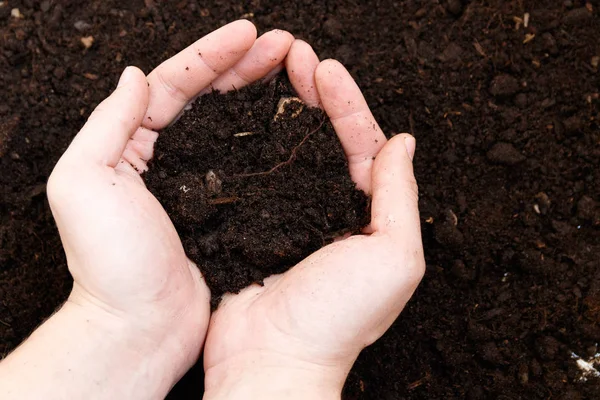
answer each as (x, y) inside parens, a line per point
(299, 334)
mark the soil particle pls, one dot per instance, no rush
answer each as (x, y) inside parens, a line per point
(490, 353)
(521, 100)
(460, 271)
(504, 86)
(587, 208)
(45, 5)
(333, 28)
(82, 26)
(577, 16)
(547, 347)
(452, 52)
(505, 153)
(454, 6)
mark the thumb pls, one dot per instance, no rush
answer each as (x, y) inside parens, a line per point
(395, 206)
(103, 138)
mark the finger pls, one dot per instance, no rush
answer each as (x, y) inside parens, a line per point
(268, 51)
(107, 131)
(301, 64)
(395, 204)
(139, 149)
(179, 79)
(274, 72)
(359, 133)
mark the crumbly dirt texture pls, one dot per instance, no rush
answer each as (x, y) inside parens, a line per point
(254, 182)
(506, 119)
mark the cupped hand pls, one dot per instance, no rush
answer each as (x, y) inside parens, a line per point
(299, 334)
(125, 256)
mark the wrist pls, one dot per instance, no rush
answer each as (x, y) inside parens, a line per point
(139, 363)
(84, 352)
(149, 349)
(169, 342)
(266, 376)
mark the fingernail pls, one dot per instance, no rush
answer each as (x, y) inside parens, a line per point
(411, 146)
(125, 77)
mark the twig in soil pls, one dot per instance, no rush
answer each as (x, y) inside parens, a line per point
(411, 123)
(419, 382)
(5, 323)
(44, 43)
(289, 160)
(233, 199)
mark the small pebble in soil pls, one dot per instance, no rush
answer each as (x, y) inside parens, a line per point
(586, 208)
(521, 100)
(81, 26)
(543, 203)
(45, 5)
(16, 13)
(454, 6)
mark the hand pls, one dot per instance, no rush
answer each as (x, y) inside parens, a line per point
(299, 334)
(133, 284)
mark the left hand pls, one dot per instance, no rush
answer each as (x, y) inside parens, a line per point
(124, 253)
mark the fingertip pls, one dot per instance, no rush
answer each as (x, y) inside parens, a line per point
(398, 147)
(262, 61)
(104, 136)
(334, 83)
(393, 166)
(245, 28)
(410, 143)
(275, 45)
(282, 35)
(134, 78)
(302, 46)
(131, 74)
(326, 69)
(395, 190)
(301, 64)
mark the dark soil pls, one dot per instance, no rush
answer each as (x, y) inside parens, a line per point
(254, 183)
(508, 164)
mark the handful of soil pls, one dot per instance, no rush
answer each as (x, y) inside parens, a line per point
(254, 182)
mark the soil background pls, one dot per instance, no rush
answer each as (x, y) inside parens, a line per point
(506, 119)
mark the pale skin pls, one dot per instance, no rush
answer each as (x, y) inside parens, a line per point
(139, 316)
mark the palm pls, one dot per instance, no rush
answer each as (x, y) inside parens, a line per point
(140, 247)
(325, 303)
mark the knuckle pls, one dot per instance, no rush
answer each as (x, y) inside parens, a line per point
(55, 187)
(408, 256)
(116, 119)
(418, 266)
(172, 90)
(412, 189)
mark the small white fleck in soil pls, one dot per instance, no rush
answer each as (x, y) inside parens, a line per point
(588, 369)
